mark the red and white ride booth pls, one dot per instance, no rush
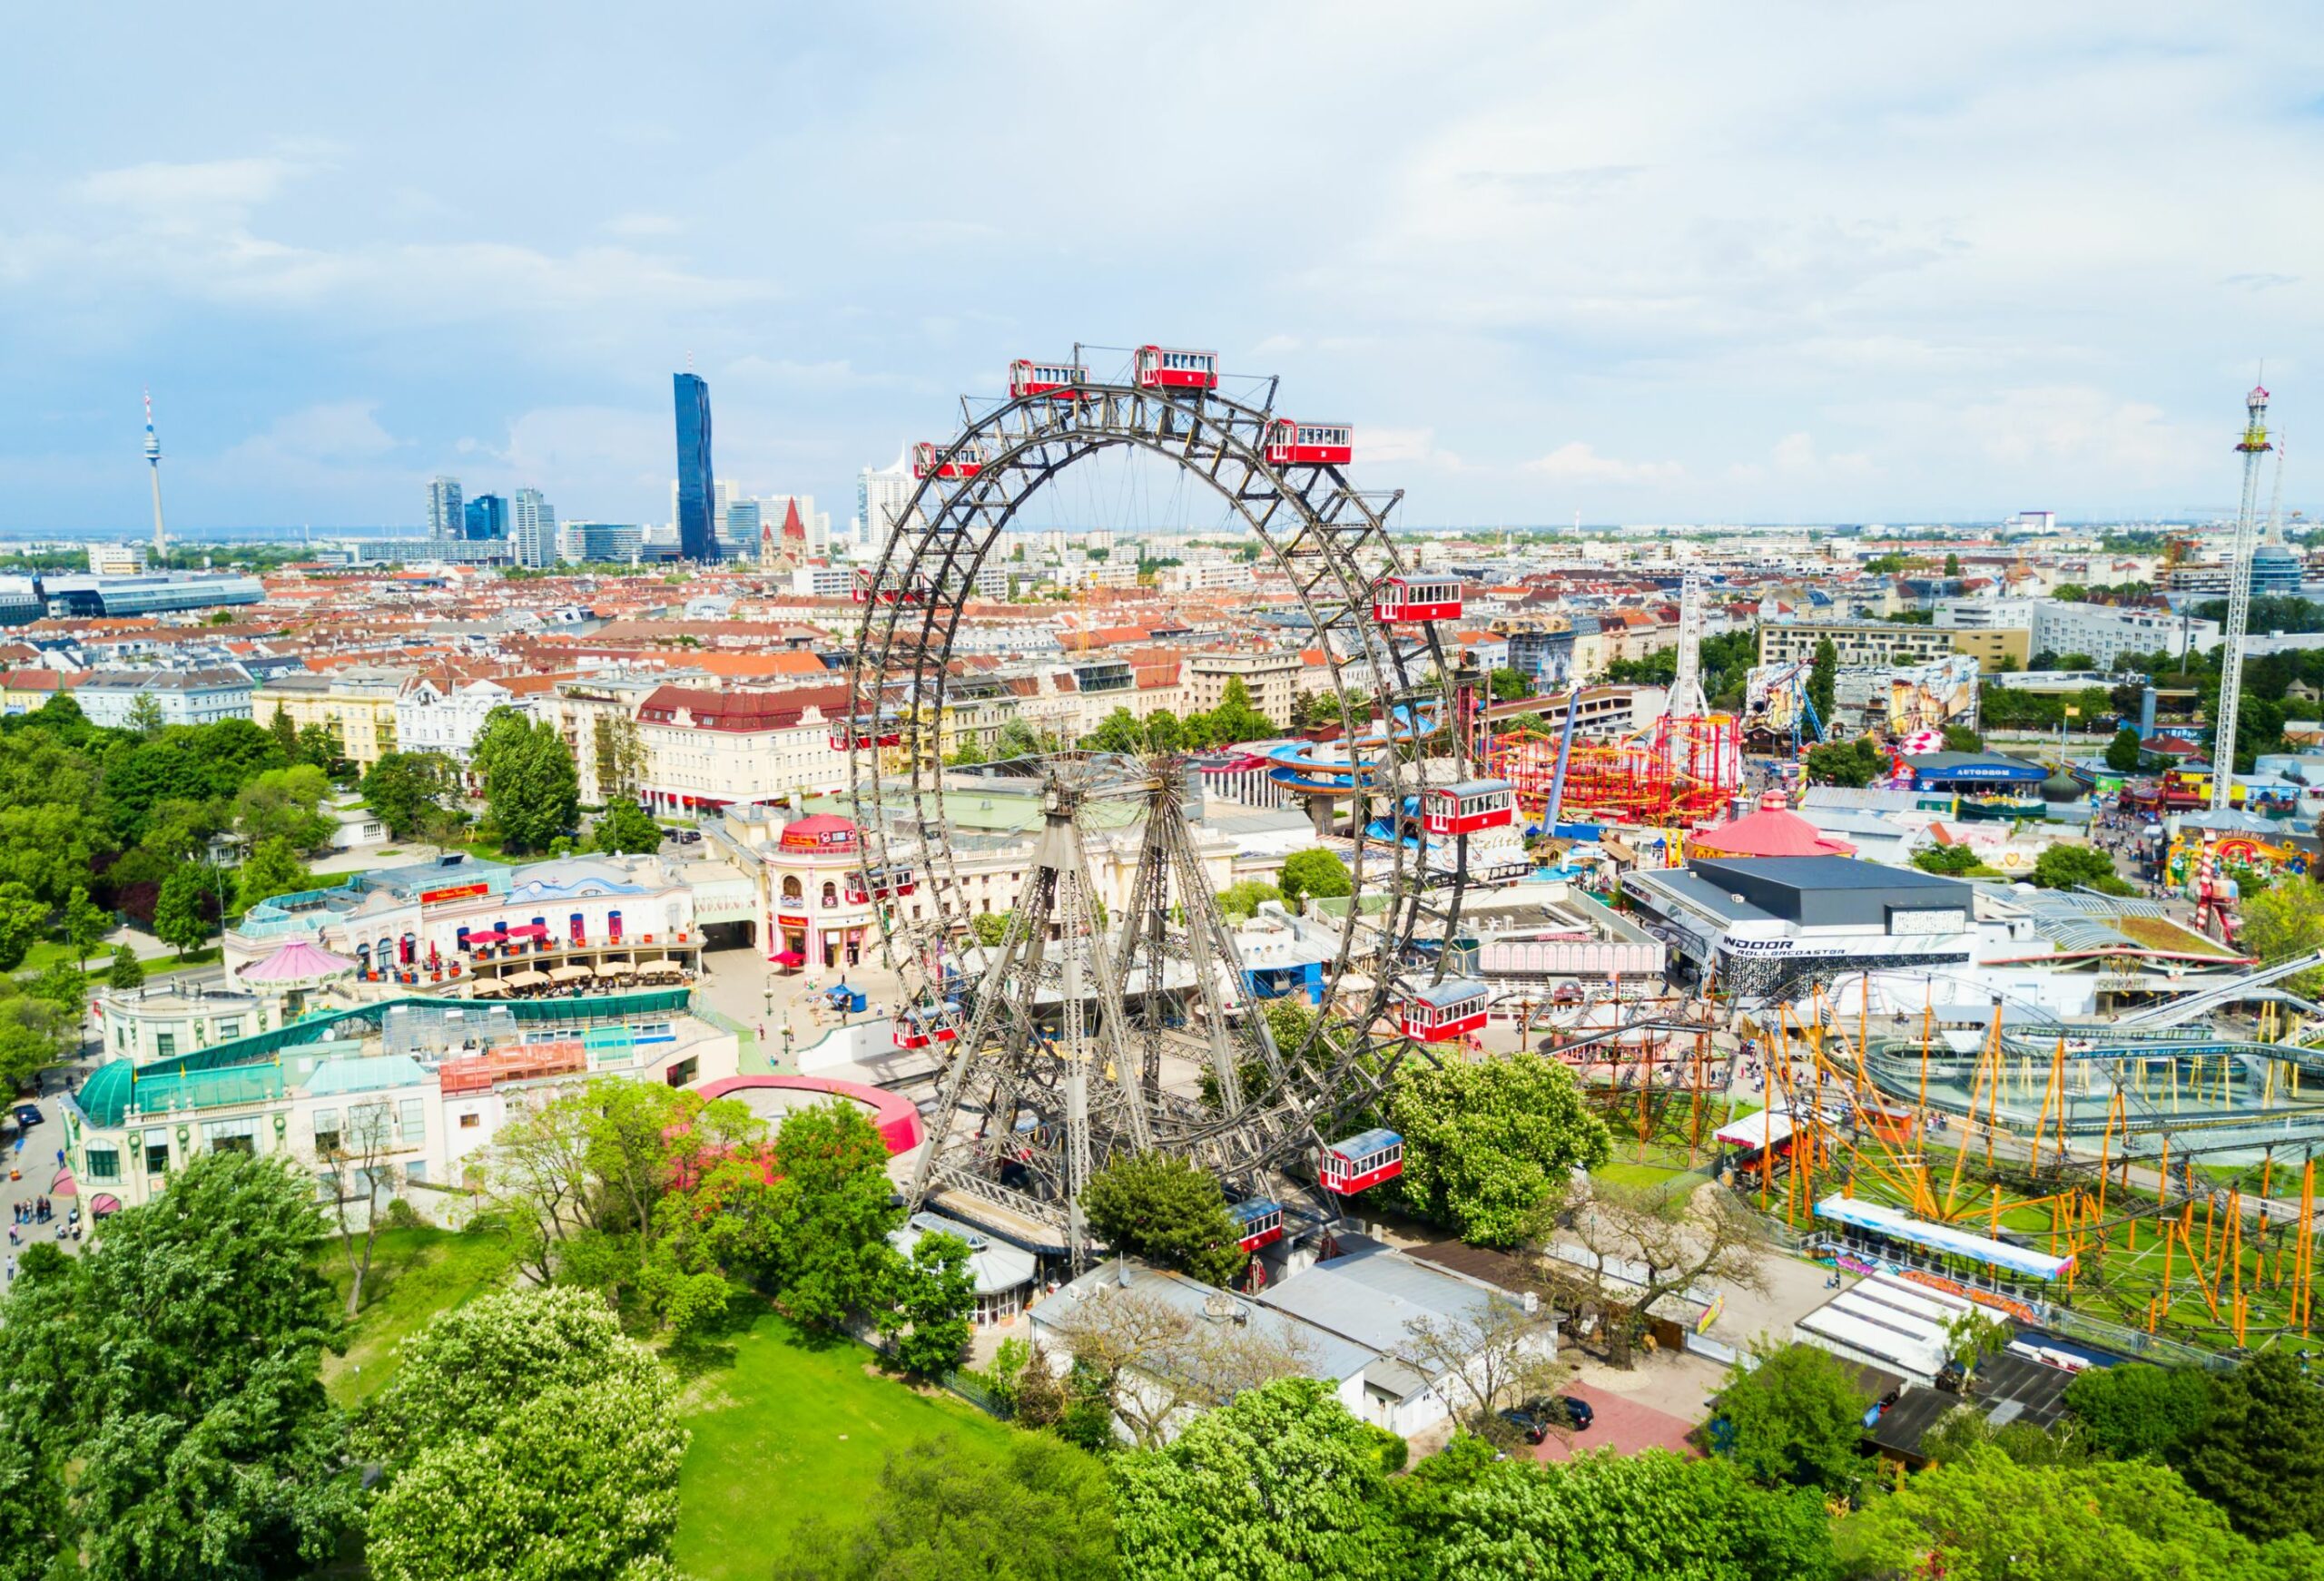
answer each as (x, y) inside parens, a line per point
(1160, 367)
(966, 460)
(1468, 807)
(883, 884)
(887, 594)
(1405, 600)
(1058, 380)
(1291, 443)
(1259, 1223)
(1444, 1011)
(1362, 1160)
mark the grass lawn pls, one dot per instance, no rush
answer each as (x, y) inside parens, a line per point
(415, 1274)
(790, 1429)
(1620, 1173)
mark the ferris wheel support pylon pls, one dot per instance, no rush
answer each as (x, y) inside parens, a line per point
(1053, 1069)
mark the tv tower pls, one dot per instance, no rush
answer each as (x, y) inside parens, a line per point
(153, 460)
(2254, 445)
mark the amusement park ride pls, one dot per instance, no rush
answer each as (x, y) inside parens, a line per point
(1078, 1038)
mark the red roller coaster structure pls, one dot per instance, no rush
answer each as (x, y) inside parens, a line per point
(1688, 768)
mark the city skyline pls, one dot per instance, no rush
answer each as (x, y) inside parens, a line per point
(1671, 265)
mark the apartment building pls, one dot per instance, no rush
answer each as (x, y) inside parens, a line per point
(706, 749)
(1891, 643)
(1271, 676)
(431, 717)
(109, 697)
(2106, 632)
(356, 704)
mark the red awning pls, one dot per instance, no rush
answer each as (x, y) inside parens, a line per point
(790, 958)
(486, 935)
(103, 1203)
(63, 1185)
(529, 930)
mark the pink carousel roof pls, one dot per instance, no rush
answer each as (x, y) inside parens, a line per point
(296, 962)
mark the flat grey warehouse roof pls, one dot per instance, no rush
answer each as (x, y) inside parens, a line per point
(1831, 891)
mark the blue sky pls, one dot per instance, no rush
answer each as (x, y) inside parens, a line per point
(1654, 262)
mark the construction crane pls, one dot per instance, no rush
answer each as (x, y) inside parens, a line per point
(2254, 445)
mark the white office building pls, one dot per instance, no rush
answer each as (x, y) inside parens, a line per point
(2106, 632)
(445, 520)
(532, 528)
(882, 495)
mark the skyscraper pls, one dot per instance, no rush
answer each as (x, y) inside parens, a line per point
(739, 530)
(881, 495)
(697, 488)
(487, 518)
(445, 521)
(532, 529)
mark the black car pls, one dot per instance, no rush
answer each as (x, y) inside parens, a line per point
(1538, 1419)
(29, 1116)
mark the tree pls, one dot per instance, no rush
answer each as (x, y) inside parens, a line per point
(1163, 732)
(413, 793)
(988, 928)
(145, 715)
(1985, 1518)
(2131, 1411)
(831, 1212)
(2285, 920)
(1120, 731)
(1244, 899)
(1630, 1517)
(530, 785)
(358, 1162)
(167, 1386)
(1950, 860)
(1509, 685)
(1797, 1419)
(1017, 738)
(22, 916)
(85, 924)
(620, 749)
(35, 1033)
(2260, 1455)
(578, 1482)
(1151, 1364)
(1854, 764)
(1637, 1244)
(127, 972)
(1972, 1336)
(1497, 1352)
(1486, 1144)
(1951, 565)
(1038, 1511)
(1823, 673)
(1165, 1209)
(182, 914)
(1960, 738)
(285, 804)
(1282, 1482)
(2122, 753)
(317, 748)
(273, 868)
(1314, 872)
(626, 828)
(63, 985)
(930, 1325)
(285, 733)
(2073, 867)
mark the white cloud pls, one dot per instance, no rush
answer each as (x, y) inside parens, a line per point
(229, 186)
(1577, 462)
(635, 225)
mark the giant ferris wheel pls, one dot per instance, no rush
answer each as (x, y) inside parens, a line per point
(1080, 1037)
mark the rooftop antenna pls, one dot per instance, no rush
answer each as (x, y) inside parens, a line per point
(154, 461)
(2253, 445)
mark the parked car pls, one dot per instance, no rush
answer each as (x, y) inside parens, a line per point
(1538, 1419)
(689, 837)
(29, 1116)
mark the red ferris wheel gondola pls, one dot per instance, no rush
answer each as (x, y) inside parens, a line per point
(967, 461)
(1160, 367)
(1292, 443)
(1058, 380)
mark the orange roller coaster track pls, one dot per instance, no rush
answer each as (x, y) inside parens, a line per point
(1688, 768)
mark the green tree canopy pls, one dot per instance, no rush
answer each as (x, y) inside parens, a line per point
(166, 1412)
(1168, 1210)
(2260, 1456)
(415, 794)
(1798, 1420)
(2070, 866)
(1281, 1483)
(181, 915)
(2284, 920)
(285, 804)
(530, 785)
(1823, 675)
(1487, 1141)
(22, 916)
(126, 971)
(626, 828)
(2122, 753)
(1038, 1511)
(273, 868)
(1315, 872)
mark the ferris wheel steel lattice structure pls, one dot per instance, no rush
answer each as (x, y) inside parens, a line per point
(1080, 1037)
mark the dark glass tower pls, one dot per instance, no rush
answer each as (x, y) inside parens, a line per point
(697, 489)
(486, 519)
